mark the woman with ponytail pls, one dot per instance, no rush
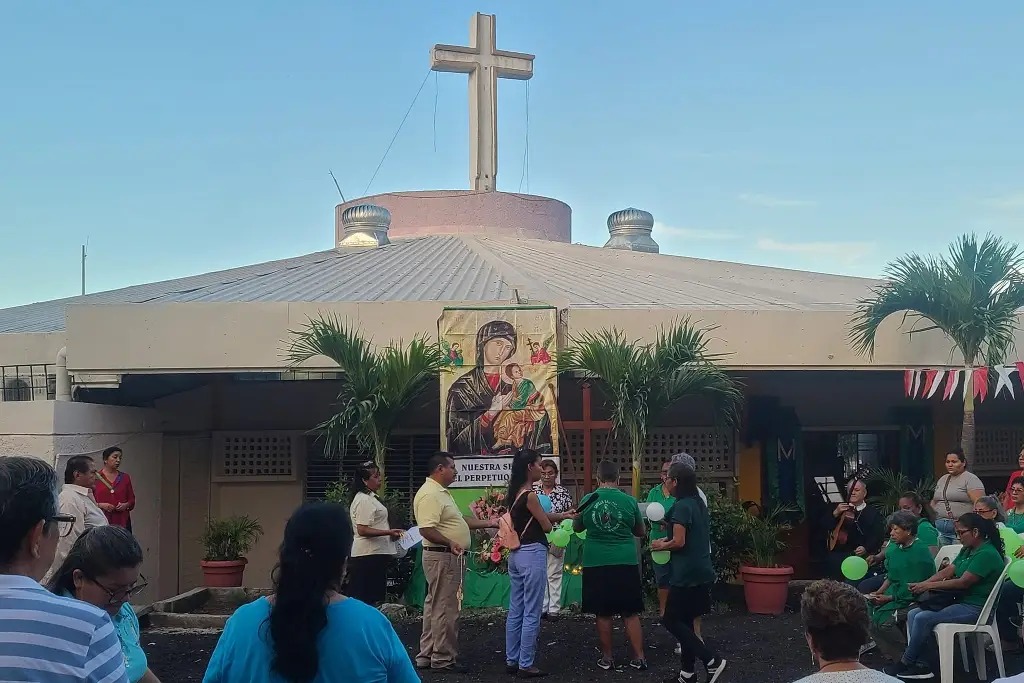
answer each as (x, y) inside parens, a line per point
(527, 564)
(307, 631)
(966, 583)
(373, 549)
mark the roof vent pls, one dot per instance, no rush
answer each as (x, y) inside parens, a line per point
(365, 225)
(631, 229)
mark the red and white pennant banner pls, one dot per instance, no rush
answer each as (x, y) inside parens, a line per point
(927, 383)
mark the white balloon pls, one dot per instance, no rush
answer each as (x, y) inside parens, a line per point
(655, 512)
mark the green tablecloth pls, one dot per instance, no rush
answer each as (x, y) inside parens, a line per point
(490, 589)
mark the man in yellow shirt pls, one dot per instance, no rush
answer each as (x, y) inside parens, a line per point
(446, 538)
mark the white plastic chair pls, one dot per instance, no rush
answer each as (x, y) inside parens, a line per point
(947, 552)
(945, 634)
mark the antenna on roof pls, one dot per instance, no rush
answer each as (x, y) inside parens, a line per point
(83, 264)
(337, 185)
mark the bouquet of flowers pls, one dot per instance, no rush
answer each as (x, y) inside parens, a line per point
(490, 506)
(489, 553)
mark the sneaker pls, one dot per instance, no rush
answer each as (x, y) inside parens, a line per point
(453, 668)
(868, 647)
(511, 668)
(638, 664)
(916, 673)
(683, 677)
(894, 669)
(678, 652)
(605, 664)
(715, 668)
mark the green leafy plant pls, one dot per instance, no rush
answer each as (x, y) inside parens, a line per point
(886, 486)
(972, 295)
(730, 539)
(767, 535)
(640, 381)
(377, 385)
(338, 493)
(230, 538)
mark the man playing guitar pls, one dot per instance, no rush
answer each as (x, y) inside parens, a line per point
(857, 528)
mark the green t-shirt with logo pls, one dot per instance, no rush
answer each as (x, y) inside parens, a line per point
(657, 495)
(691, 564)
(609, 521)
(986, 563)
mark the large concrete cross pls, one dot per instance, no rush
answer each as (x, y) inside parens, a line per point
(485, 65)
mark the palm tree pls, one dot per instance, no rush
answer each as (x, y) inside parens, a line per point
(640, 381)
(972, 295)
(377, 385)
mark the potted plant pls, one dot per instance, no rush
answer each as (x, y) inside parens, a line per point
(226, 542)
(765, 583)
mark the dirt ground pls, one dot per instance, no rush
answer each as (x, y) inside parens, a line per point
(763, 649)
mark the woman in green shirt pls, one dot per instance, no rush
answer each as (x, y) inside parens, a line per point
(611, 568)
(692, 574)
(912, 502)
(972, 575)
(907, 560)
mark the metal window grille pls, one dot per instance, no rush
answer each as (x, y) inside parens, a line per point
(996, 448)
(406, 465)
(28, 383)
(714, 451)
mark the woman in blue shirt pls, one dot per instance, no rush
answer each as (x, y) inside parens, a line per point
(102, 569)
(308, 632)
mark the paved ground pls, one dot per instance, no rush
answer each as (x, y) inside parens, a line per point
(759, 649)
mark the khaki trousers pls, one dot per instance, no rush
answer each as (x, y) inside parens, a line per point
(439, 644)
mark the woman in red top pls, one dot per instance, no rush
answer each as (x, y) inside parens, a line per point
(113, 490)
(1018, 473)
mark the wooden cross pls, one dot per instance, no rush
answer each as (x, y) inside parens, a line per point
(588, 426)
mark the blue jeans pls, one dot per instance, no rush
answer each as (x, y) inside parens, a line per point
(922, 622)
(528, 576)
(947, 535)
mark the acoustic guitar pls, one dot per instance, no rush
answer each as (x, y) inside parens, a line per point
(840, 534)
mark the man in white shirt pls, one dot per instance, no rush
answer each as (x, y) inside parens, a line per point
(76, 500)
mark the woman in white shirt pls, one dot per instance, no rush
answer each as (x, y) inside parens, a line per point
(373, 547)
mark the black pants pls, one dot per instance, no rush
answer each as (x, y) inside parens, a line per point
(368, 578)
(683, 606)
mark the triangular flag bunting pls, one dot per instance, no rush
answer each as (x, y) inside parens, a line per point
(908, 379)
(916, 384)
(936, 382)
(980, 377)
(1003, 380)
(951, 384)
(1020, 371)
(928, 383)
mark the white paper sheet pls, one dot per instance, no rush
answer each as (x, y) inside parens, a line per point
(410, 538)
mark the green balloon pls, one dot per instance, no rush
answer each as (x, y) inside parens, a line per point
(1016, 573)
(566, 524)
(582, 534)
(559, 538)
(855, 568)
(661, 556)
(1011, 540)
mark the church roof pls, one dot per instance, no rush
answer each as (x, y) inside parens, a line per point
(468, 269)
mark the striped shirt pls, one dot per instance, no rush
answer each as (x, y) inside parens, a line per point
(46, 638)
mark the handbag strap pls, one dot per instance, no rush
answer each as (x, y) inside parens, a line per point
(945, 500)
(514, 503)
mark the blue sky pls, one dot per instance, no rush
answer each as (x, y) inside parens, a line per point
(190, 136)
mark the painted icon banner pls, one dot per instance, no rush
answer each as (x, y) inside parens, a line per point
(500, 394)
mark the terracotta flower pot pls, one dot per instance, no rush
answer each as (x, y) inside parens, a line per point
(223, 574)
(766, 588)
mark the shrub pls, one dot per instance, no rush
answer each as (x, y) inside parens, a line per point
(230, 538)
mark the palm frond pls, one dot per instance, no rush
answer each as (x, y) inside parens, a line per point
(640, 381)
(377, 387)
(972, 295)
